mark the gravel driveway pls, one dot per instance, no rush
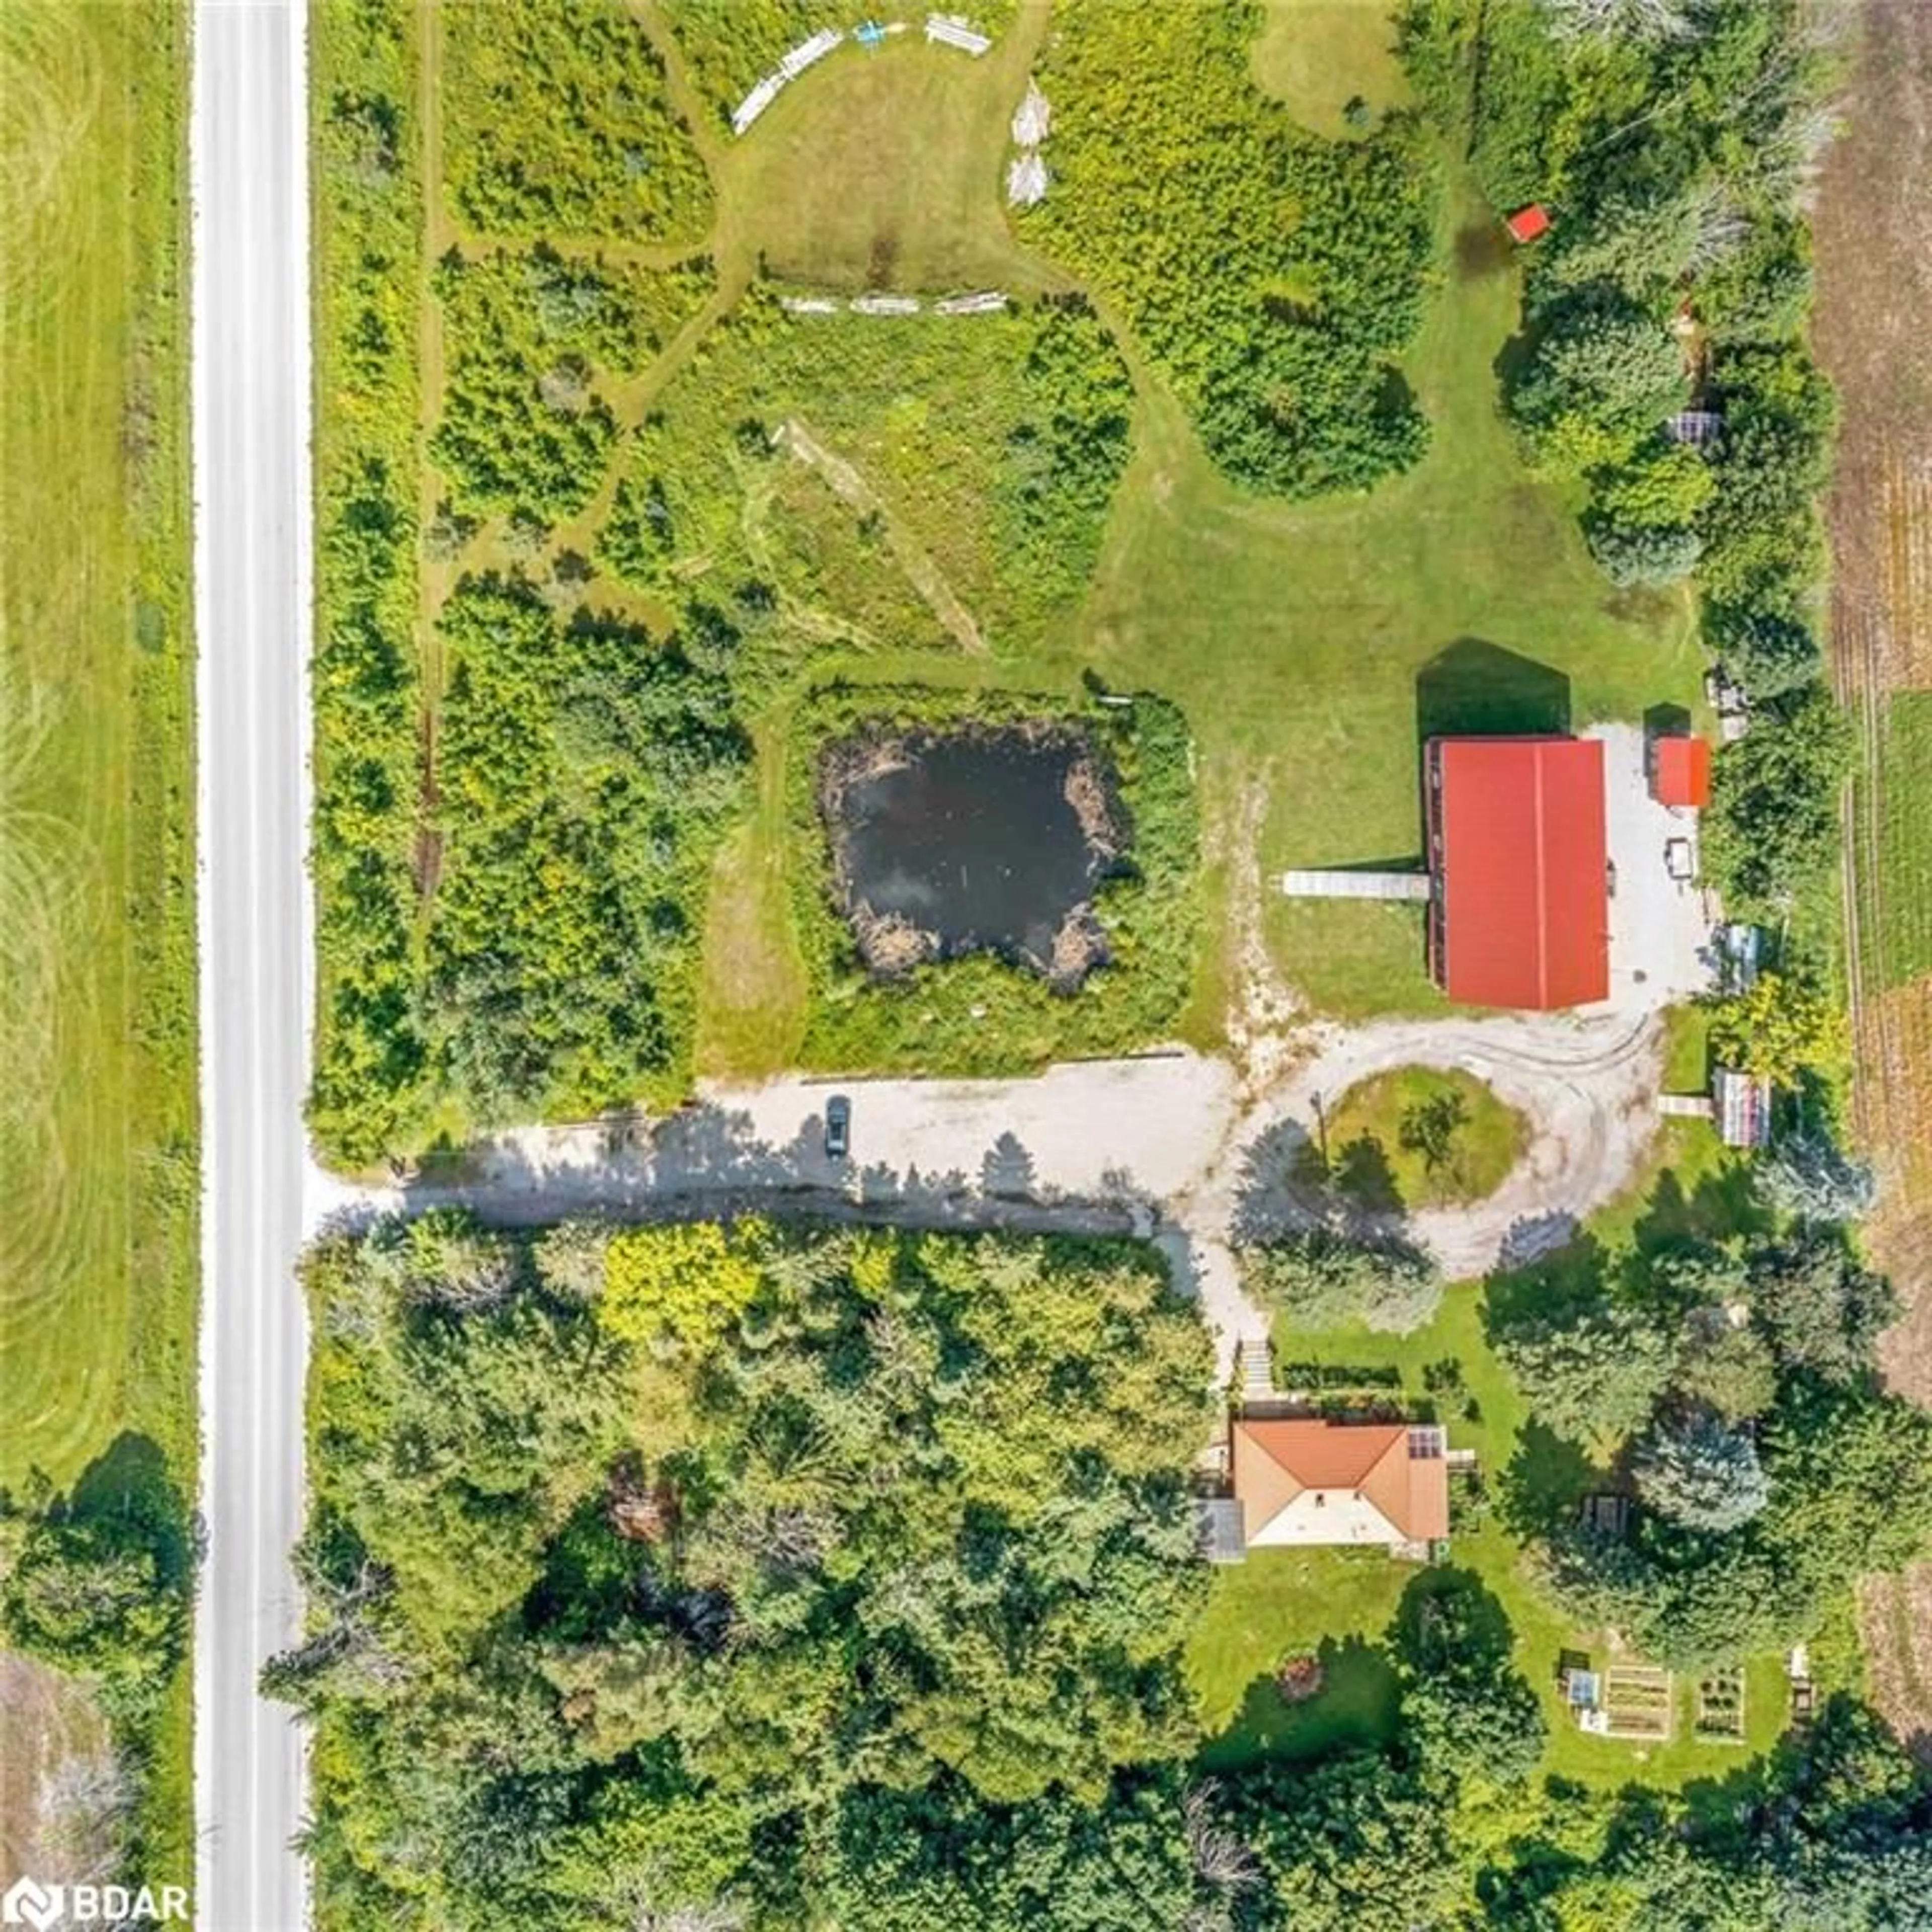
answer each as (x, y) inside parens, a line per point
(1163, 1145)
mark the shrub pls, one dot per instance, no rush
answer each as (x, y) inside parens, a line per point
(1701, 1471)
(1781, 1028)
(1631, 554)
(586, 773)
(1808, 1174)
(556, 121)
(1321, 1280)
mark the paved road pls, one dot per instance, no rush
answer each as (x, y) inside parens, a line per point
(250, 403)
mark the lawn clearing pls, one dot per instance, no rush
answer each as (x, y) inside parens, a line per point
(1278, 1604)
(883, 170)
(1317, 56)
(1435, 1137)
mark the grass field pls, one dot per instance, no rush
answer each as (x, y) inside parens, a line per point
(1317, 56)
(1439, 1136)
(1902, 941)
(97, 1133)
(97, 1116)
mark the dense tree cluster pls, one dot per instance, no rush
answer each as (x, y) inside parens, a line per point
(1273, 276)
(1733, 1389)
(1827, 1834)
(766, 1577)
(902, 1530)
(584, 769)
(556, 121)
(1471, 1716)
(524, 428)
(1772, 835)
(368, 1049)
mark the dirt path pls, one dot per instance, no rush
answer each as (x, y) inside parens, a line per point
(1874, 248)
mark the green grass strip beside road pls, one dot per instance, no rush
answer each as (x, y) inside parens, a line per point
(98, 1118)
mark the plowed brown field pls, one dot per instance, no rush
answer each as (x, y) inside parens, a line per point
(1874, 244)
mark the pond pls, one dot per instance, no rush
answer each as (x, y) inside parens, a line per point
(978, 840)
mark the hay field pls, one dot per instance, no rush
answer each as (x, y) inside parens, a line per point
(97, 998)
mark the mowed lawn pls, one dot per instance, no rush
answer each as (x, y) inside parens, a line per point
(98, 1126)
(1311, 646)
(97, 1112)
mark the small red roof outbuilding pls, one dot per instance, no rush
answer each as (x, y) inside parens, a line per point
(1527, 224)
(1680, 771)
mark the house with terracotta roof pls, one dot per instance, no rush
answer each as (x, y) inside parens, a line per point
(1299, 1480)
(1518, 915)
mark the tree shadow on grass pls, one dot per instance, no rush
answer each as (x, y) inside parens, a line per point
(1290, 1182)
(1555, 1287)
(128, 1487)
(1544, 1484)
(1483, 1636)
(1721, 1205)
(1359, 1704)
(1482, 249)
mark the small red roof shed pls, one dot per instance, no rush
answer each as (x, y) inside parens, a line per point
(1680, 771)
(1527, 224)
(1519, 845)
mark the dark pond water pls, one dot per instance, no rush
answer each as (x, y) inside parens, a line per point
(970, 839)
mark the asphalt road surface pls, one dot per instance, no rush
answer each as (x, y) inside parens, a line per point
(248, 149)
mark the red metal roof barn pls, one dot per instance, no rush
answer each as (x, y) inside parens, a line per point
(1680, 771)
(1527, 224)
(1518, 847)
